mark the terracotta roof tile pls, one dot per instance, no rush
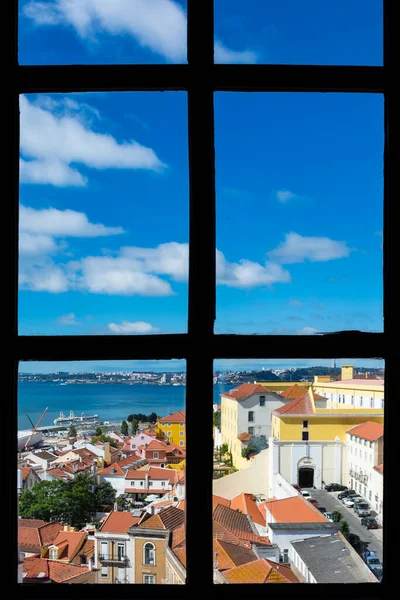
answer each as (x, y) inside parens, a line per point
(298, 406)
(169, 518)
(219, 500)
(295, 391)
(181, 505)
(368, 431)
(154, 473)
(247, 504)
(260, 571)
(177, 417)
(178, 535)
(73, 540)
(34, 567)
(33, 538)
(231, 555)
(180, 553)
(292, 510)
(238, 524)
(31, 523)
(118, 522)
(25, 472)
(245, 390)
(379, 468)
(244, 437)
(156, 445)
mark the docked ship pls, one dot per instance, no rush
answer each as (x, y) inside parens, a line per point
(24, 435)
(74, 419)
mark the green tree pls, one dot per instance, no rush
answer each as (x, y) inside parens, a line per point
(72, 432)
(129, 419)
(134, 426)
(124, 428)
(216, 418)
(104, 438)
(104, 496)
(337, 516)
(153, 417)
(247, 452)
(344, 528)
(99, 431)
(42, 500)
(224, 449)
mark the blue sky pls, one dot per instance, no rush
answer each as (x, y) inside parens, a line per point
(104, 177)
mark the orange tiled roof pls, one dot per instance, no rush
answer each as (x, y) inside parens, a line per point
(238, 524)
(72, 540)
(231, 555)
(40, 568)
(177, 417)
(295, 391)
(247, 504)
(368, 431)
(259, 571)
(292, 510)
(180, 553)
(118, 522)
(113, 469)
(219, 500)
(245, 390)
(34, 537)
(181, 505)
(153, 473)
(60, 473)
(169, 518)
(25, 472)
(379, 468)
(244, 437)
(178, 535)
(298, 406)
(31, 522)
(156, 445)
(143, 490)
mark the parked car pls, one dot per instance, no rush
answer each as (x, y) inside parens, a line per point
(346, 493)
(335, 487)
(296, 487)
(369, 523)
(349, 502)
(378, 572)
(355, 541)
(313, 501)
(321, 509)
(350, 497)
(328, 515)
(305, 494)
(362, 509)
(372, 560)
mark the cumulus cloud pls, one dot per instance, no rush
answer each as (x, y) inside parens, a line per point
(130, 327)
(249, 274)
(157, 25)
(45, 277)
(297, 249)
(285, 195)
(69, 319)
(53, 140)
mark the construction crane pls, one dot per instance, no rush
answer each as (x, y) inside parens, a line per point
(34, 429)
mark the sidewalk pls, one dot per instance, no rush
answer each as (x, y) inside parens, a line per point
(378, 533)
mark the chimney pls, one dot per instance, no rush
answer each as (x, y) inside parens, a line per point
(66, 527)
(347, 372)
(146, 480)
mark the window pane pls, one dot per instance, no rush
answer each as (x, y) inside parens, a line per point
(272, 478)
(314, 32)
(103, 214)
(102, 32)
(299, 212)
(101, 437)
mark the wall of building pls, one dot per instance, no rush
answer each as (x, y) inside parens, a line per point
(174, 432)
(115, 571)
(253, 480)
(322, 428)
(356, 396)
(158, 569)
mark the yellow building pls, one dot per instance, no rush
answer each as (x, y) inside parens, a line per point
(350, 391)
(173, 428)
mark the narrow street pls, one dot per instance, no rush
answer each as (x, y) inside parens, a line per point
(372, 537)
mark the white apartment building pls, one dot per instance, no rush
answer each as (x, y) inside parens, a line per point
(247, 409)
(365, 463)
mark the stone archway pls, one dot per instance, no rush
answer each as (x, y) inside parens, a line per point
(306, 472)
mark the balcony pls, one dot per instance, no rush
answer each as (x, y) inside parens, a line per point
(120, 560)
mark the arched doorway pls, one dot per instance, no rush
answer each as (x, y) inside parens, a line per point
(306, 477)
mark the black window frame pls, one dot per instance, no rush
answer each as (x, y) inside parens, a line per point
(305, 436)
(200, 78)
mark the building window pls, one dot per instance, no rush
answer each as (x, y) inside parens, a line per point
(181, 424)
(251, 416)
(155, 454)
(104, 551)
(104, 571)
(162, 424)
(149, 578)
(304, 436)
(142, 483)
(83, 559)
(120, 551)
(352, 399)
(150, 484)
(169, 424)
(149, 554)
(162, 483)
(382, 403)
(262, 400)
(361, 401)
(250, 430)
(169, 433)
(181, 443)
(372, 403)
(53, 553)
(305, 424)
(181, 433)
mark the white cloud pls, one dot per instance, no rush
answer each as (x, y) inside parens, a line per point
(295, 302)
(61, 223)
(224, 55)
(132, 327)
(36, 244)
(297, 249)
(307, 331)
(158, 25)
(69, 319)
(247, 274)
(53, 140)
(285, 195)
(170, 259)
(43, 278)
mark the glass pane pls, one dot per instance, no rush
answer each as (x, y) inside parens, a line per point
(101, 455)
(299, 212)
(305, 479)
(314, 32)
(103, 214)
(102, 32)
